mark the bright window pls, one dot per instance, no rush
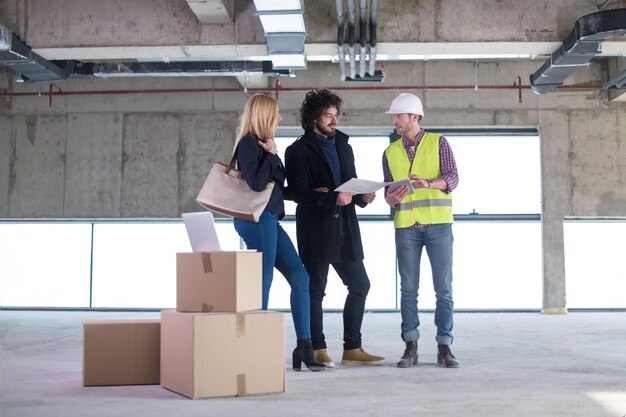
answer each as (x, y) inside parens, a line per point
(497, 264)
(44, 264)
(134, 264)
(498, 174)
(594, 265)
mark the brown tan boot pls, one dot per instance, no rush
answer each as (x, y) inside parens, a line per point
(321, 355)
(360, 357)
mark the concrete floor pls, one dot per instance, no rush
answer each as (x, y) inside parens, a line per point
(512, 364)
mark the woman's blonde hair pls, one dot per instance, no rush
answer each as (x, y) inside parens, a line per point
(259, 117)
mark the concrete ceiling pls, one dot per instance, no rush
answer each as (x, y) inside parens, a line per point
(226, 30)
(219, 29)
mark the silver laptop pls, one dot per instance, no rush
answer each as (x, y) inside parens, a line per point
(201, 231)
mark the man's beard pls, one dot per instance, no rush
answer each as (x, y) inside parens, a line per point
(325, 130)
(402, 129)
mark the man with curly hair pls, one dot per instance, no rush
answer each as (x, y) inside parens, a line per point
(327, 227)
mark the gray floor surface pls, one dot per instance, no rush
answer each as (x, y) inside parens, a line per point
(512, 364)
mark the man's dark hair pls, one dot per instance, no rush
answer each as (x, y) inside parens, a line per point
(315, 102)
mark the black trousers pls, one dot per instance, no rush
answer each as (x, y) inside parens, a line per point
(354, 277)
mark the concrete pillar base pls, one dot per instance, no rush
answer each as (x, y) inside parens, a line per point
(558, 310)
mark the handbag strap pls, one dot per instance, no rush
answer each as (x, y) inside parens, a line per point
(233, 160)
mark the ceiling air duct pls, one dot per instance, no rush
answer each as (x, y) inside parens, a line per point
(583, 43)
(180, 69)
(284, 27)
(16, 55)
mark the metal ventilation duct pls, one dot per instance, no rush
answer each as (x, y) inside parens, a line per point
(583, 43)
(31, 67)
(617, 75)
(16, 55)
(182, 69)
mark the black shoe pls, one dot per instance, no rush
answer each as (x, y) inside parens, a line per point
(446, 358)
(410, 356)
(304, 353)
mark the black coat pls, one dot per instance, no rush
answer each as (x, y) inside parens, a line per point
(259, 167)
(317, 214)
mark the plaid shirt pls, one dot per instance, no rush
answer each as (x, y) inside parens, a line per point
(447, 165)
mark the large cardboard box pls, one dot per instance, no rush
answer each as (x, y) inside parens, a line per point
(223, 354)
(218, 281)
(121, 352)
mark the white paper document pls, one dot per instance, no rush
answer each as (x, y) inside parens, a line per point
(359, 186)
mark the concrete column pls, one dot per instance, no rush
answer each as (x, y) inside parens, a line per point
(6, 151)
(556, 203)
(553, 250)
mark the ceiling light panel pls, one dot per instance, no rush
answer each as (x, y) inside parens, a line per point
(288, 61)
(279, 5)
(284, 22)
(285, 42)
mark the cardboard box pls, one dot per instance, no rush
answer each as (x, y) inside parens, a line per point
(121, 352)
(223, 354)
(218, 281)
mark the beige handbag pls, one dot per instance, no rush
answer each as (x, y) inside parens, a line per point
(226, 191)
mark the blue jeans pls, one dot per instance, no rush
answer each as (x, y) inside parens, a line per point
(268, 237)
(409, 243)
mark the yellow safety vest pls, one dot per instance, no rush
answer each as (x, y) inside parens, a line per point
(426, 205)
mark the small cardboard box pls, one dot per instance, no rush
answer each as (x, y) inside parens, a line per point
(121, 352)
(218, 281)
(207, 355)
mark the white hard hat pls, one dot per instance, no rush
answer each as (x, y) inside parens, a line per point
(406, 103)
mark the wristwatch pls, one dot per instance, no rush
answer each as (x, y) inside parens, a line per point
(430, 184)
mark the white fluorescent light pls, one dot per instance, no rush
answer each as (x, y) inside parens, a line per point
(471, 57)
(277, 5)
(288, 61)
(204, 58)
(292, 22)
(278, 43)
(456, 57)
(424, 57)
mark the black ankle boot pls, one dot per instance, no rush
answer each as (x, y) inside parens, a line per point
(409, 358)
(446, 358)
(304, 353)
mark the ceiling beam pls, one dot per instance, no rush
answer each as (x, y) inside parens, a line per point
(212, 11)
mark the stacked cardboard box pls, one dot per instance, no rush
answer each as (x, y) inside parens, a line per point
(218, 281)
(218, 342)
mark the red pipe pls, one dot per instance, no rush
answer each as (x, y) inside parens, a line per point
(516, 86)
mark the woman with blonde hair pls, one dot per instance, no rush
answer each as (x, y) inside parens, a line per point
(259, 164)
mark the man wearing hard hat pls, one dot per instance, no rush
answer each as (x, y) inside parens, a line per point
(422, 219)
